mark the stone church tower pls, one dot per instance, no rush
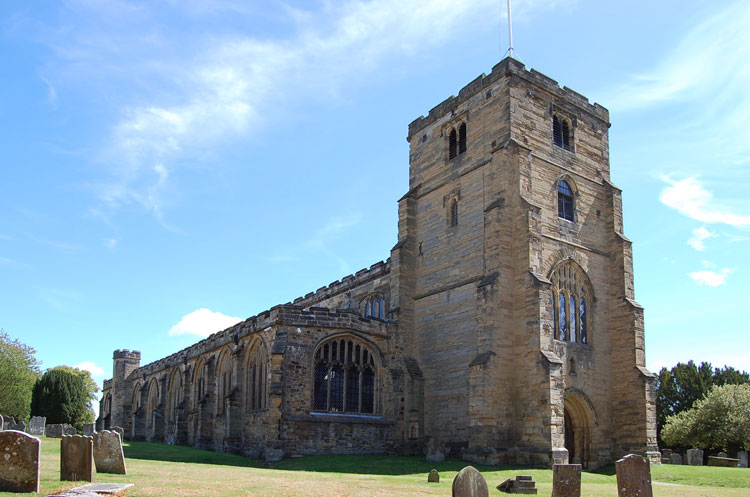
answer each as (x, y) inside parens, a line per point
(502, 329)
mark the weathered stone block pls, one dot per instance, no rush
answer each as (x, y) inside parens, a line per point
(37, 425)
(59, 430)
(633, 477)
(566, 480)
(675, 459)
(108, 455)
(19, 462)
(727, 462)
(694, 457)
(469, 483)
(88, 429)
(76, 458)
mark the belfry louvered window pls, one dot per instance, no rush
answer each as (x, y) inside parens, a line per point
(457, 141)
(561, 132)
(344, 377)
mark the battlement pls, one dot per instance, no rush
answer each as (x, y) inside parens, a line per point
(127, 354)
(346, 283)
(508, 67)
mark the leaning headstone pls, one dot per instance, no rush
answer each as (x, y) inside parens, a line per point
(742, 456)
(633, 476)
(76, 458)
(675, 459)
(694, 457)
(108, 455)
(36, 425)
(566, 480)
(469, 483)
(120, 430)
(19, 462)
(88, 429)
(433, 477)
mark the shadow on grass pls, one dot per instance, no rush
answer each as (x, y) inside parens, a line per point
(608, 470)
(355, 464)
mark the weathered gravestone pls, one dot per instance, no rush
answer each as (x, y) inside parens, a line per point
(95, 490)
(728, 462)
(521, 484)
(2, 422)
(435, 451)
(722, 454)
(120, 430)
(59, 431)
(19, 462)
(566, 480)
(433, 477)
(108, 455)
(36, 425)
(76, 458)
(88, 429)
(469, 483)
(675, 459)
(11, 424)
(742, 456)
(633, 476)
(694, 457)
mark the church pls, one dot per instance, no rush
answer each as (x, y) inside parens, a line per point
(502, 328)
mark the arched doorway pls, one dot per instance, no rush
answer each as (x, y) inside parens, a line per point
(579, 418)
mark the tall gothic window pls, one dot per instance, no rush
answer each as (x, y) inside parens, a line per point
(564, 201)
(256, 370)
(570, 290)
(453, 212)
(344, 377)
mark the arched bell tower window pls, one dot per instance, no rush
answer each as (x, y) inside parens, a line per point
(571, 291)
(457, 141)
(345, 377)
(565, 201)
(561, 133)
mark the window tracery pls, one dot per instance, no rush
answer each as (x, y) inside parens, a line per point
(344, 377)
(374, 307)
(570, 297)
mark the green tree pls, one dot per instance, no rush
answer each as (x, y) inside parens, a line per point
(61, 396)
(91, 389)
(19, 369)
(721, 420)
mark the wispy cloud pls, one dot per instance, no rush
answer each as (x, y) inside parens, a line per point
(711, 278)
(201, 90)
(91, 367)
(59, 300)
(689, 197)
(202, 322)
(699, 236)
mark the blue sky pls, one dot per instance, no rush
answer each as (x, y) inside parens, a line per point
(172, 166)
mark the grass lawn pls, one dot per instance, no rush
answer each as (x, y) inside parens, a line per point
(163, 470)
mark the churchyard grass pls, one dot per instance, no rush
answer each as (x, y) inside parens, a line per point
(169, 471)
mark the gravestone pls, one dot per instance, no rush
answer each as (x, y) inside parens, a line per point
(675, 459)
(666, 453)
(2, 422)
(76, 458)
(521, 484)
(728, 462)
(36, 425)
(435, 451)
(19, 462)
(566, 480)
(88, 429)
(469, 483)
(694, 457)
(59, 430)
(108, 455)
(120, 430)
(433, 477)
(11, 424)
(742, 456)
(633, 476)
(722, 454)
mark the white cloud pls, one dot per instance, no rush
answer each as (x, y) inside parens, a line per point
(699, 235)
(203, 322)
(689, 197)
(91, 367)
(710, 278)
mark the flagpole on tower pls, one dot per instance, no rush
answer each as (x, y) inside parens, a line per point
(510, 32)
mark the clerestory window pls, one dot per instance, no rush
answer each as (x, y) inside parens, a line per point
(344, 377)
(565, 201)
